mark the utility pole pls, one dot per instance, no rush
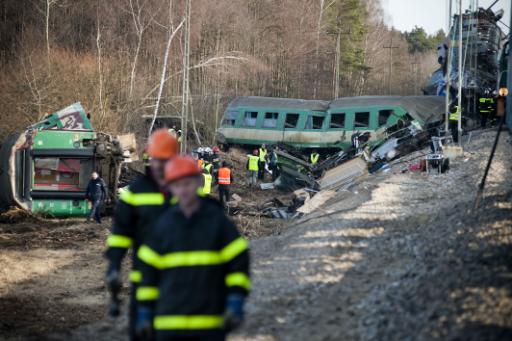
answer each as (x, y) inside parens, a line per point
(459, 95)
(337, 60)
(186, 80)
(509, 78)
(416, 67)
(337, 66)
(448, 69)
(390, 47)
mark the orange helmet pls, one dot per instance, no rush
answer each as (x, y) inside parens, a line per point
(181, 167)
(162, 145)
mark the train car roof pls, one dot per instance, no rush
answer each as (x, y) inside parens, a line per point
(273, 102)
(424, 108)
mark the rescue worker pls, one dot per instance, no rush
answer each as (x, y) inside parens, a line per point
(216, 161)
(172, 131)
(145, 160)
(272, 164)
(179, 136)
(314, 157)
(262, 161)
(224, 181)
(194, 264)
(486, 108)
(207, 182)
(207, 165)
(137, 209)
(252, 167)
(453, 123)
(96, 193)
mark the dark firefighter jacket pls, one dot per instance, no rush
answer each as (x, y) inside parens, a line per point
(96, 189)
(137, 209)
(191, 271)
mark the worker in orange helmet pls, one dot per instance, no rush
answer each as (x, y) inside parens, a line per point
(194, 264)
(137, 209)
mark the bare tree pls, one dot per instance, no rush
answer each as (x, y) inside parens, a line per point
(140, 23)
(100, 68)
(171, 34)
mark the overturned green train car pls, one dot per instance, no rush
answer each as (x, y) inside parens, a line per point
(46, 168)
(321, 124)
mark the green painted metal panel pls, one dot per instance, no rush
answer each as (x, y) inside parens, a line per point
(61, 207)
(72, 117)
(59, 139)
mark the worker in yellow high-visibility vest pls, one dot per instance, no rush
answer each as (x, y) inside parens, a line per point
(253, 167)
(207, 183)
(314, 157)
(262, 153)
(486, 108)
(453, 123)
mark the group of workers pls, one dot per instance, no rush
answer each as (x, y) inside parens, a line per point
(486, 108)
(214, 173)
(258, 162)
(190, 266)
(263, 159)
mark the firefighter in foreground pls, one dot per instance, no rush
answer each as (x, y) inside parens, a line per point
(194, 265)
(137, 210)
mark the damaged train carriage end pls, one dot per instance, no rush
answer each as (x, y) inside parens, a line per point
(395, 126)
(46, 168)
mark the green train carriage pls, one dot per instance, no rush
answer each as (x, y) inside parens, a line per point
(251, 121)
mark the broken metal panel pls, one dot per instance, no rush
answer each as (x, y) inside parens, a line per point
(72, 117)
(343, 174)
(318, 200)
(294, 171)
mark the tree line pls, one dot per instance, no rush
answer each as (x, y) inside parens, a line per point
(120, 57)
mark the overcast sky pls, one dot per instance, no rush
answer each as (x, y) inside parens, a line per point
(432, 14)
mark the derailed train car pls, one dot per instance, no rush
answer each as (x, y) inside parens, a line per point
(312, 124)
(46, 168)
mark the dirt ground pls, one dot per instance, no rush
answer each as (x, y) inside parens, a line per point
(399, 256)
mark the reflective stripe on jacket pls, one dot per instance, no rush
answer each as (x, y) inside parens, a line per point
(224, 176)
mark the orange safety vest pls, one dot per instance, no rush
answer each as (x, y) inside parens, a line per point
(224, 176)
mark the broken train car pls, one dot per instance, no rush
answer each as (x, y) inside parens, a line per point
(419, 118)
(313, 124)
(47, 167)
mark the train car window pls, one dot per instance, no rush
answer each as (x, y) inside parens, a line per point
(250, 118)
(314, 122)
(230, 118)
(270, 120)
(291, 120)
(337, 121)
(362, 120)
(61, 174)
(384, 115)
